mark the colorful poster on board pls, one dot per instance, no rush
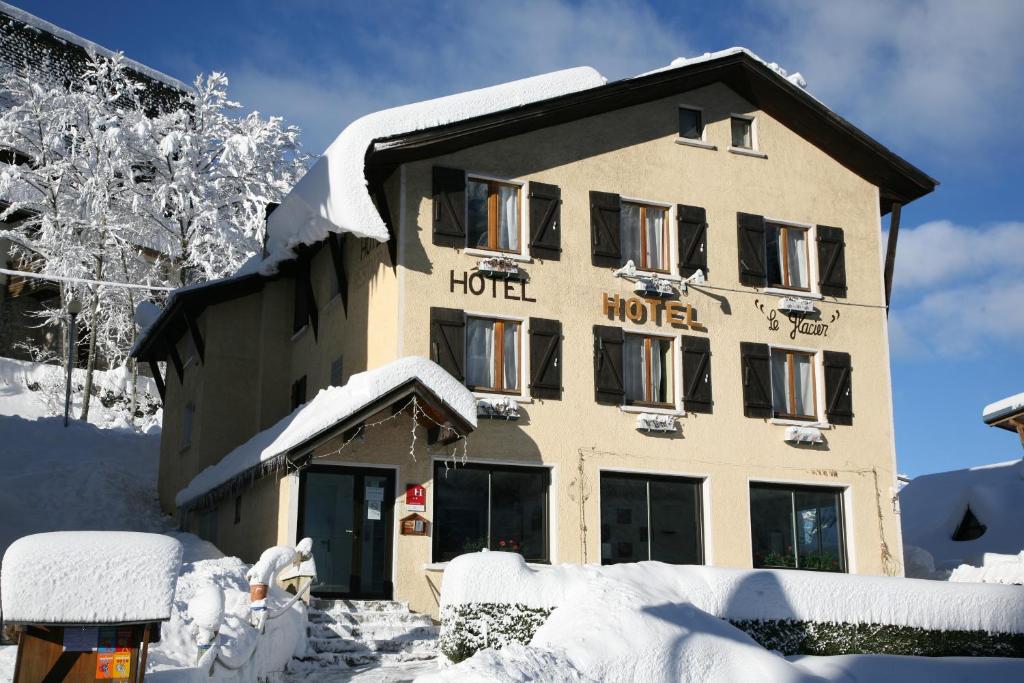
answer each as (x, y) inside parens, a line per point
(122, 665)
(105, 665)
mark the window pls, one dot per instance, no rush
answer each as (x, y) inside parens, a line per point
(493, 355)
(187, 418)
(969, 528)
(336, 372)
(493, 215)
(691, 124)
(787, 256)
(644, 236)
(742, 132)
(648, 370)
(495, 507)
(793, 392)
(298, 392)
(797, 527)
(650, 518)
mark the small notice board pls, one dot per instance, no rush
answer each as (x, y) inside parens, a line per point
(415, 525)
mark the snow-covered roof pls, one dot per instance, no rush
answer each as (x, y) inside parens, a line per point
(933, 505)
(1003, 408)
(85, 577)
(328, 408)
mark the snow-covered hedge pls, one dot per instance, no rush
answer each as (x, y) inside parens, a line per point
(466, 629)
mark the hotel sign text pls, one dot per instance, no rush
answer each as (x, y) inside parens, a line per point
(639, 311)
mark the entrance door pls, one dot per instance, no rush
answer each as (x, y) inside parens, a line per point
(348, 512)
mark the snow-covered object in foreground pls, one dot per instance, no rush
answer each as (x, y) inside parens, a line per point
(271, 562)
(933, 505)
(995, 568)
(83, 577)
(327, 408)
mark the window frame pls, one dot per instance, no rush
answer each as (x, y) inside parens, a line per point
(439, 469)
(784, 228)
(492, 247)
(499, 356)
(671, 405)
(753, 137)
(668, 237)
(840, 492)
(791, 381)
(701, 141)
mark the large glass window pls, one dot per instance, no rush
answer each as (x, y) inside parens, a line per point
(793, 393)
(787, 256)
(496, 507)
(644, 236)
(493, 215)
(650, 518)
(648, 370)
(797, 527)
(493, 353)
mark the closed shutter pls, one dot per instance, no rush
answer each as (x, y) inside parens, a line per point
(696, 374)
(838, 388)
(448, 340)
(831, 261)
(693, 240)
(750, 235)
(755, 361)
(609, 388)
(545, 221)
(605, 249)
(545, 358)
(449, 207)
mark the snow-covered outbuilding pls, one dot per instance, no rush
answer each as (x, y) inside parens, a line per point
(644, 288)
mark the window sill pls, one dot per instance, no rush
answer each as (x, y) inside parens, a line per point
(794, 293)
(800, 423)
(484, 253)
(747, 152)
(674, 412)
(301, 331)
(696, 143)
(518, 398)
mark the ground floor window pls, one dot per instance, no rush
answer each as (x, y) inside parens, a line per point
(490, 506)
(650, 518)
(797, 527)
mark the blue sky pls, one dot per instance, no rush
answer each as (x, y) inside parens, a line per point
(936, 81)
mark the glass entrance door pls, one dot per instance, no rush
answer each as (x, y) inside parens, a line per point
(348, 514)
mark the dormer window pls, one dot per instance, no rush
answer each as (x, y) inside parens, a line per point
(644, 236)
(494, 215)
(742, 132)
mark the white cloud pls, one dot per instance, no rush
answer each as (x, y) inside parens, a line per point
(941, 252)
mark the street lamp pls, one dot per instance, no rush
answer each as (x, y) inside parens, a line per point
(74, 308)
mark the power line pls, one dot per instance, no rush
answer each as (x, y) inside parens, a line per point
(104, 283)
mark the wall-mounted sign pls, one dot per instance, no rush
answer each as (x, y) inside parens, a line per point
(798, 323)
(642, 310)
(478, 285)
(414, 525)
(415, 498)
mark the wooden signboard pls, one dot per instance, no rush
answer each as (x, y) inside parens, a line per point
(415, 525)
(80, 654)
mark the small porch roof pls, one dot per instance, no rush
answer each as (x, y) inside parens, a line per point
(1007, 413)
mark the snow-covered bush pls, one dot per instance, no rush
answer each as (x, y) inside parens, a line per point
(467, 629)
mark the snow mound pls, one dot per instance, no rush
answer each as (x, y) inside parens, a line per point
(85, 577)
(995, 568)
(328, 407)
(933, 505)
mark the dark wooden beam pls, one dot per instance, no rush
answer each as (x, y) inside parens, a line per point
(197, 338)
(336, 242)
(179, 368)
(154, 367)
(890, 251)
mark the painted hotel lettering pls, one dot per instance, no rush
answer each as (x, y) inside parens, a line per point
(478, 285)
(639, 311)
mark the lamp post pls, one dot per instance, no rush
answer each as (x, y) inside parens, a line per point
(74, 308)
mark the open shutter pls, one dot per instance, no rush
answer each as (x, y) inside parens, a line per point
(609, 389)
(696, 374)
(545, 358)
(831, 261)
(449, 207)
(448, 340)
(693, 240)
(755, 361)
(605, 249)
(545, 221)
(750, 235)
(838, 388)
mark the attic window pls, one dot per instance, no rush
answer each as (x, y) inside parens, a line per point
(742, 132)
(969, 528)
(691, 124)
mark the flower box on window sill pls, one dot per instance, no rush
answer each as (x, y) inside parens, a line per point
(654, 287)
(497, 408)
(800, 435)
(654, 422)
(500, 268)
(792, 304)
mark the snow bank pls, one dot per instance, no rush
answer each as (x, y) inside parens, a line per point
(83, 577)
(995, 568)
(1007, 406)
(933, 505)
(327, 408)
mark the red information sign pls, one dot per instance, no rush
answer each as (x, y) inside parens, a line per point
(415, 497)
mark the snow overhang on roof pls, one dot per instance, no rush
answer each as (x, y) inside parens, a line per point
(1005, 412)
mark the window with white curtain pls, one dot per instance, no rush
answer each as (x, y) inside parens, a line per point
(493, 213)
(493, 355)
(742, 132)
(793, 391)
(788, 255)
(644, 236)
(648, 370)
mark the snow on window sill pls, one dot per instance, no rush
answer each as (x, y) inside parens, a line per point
(518, 398)
(301, 331)
(674, 412)
(747, 152)
(792, 293)
(800, 423)
(485, 253)
(696, 143)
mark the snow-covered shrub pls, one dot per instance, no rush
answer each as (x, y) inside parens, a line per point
(466, 629)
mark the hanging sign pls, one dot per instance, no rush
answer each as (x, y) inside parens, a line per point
(807, 324)
(415, 498)
(642, 310)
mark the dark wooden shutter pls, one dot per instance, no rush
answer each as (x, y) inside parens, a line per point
(449, 207)
(696, 374)
(609, 387)
(756, 363)
(831, 261)
(838, 388)
(545, 358)
(693, 240)
(750, 234)
(448, 340)
(605, 249)
(545, 221)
